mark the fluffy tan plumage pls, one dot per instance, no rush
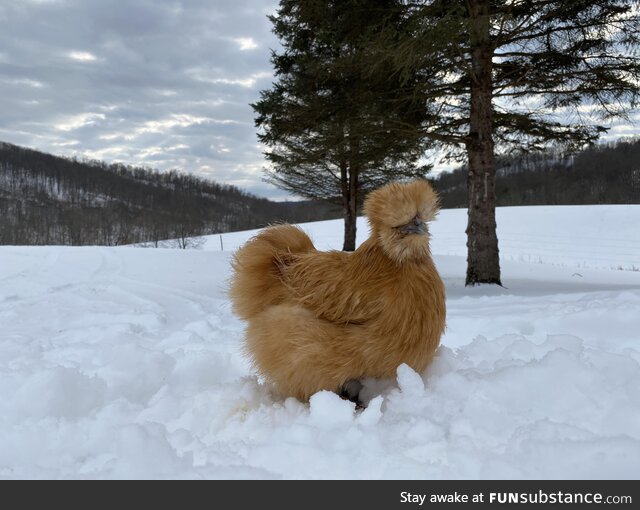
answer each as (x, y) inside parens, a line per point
(317, 320)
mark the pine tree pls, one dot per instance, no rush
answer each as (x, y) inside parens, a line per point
(517, 74)
(335, 122)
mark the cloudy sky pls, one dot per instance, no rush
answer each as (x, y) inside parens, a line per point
(166, 84)
(161, 83)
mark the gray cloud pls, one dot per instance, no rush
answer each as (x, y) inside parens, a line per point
(166, 84)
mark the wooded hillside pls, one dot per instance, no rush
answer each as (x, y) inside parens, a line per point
(46, 199)
(601, 174)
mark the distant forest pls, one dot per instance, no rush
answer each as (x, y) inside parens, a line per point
(601, 174)
(46, 199)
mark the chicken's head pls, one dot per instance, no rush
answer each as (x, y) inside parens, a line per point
(398, 214)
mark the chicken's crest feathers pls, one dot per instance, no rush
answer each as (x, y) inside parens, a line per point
(390, 207)
(396, 203)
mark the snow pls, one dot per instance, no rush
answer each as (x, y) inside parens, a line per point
(127, 363)
(576, 235)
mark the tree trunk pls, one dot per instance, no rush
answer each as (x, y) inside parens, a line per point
(483, 262)
(349, 174)
(350, 206)
(349, 229)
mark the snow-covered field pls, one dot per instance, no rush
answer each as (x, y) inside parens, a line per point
(126, 362)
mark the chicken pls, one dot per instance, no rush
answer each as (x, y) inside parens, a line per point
(319, 320)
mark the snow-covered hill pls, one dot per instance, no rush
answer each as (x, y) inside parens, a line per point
(126, 362)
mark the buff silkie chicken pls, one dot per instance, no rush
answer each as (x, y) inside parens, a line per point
(321, 320)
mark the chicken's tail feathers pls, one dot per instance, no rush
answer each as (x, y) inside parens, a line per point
(256, 281)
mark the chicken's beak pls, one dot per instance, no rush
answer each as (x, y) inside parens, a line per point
(415, 226)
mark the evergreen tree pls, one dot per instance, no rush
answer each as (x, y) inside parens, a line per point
(336, 122)
(517, 73)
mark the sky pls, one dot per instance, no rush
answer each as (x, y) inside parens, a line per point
(158, 83)
(164, 84)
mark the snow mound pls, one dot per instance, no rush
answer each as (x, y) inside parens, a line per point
(550, 410)
(505, 407)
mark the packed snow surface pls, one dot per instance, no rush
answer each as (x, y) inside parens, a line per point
(127, 363)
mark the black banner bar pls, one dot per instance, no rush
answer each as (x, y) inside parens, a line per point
(326, 495)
